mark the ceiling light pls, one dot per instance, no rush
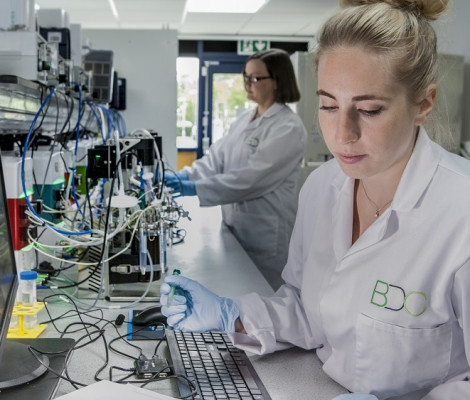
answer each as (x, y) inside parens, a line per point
(226, 6)
(114, 9)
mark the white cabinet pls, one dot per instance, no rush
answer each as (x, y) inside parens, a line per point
(445, 122)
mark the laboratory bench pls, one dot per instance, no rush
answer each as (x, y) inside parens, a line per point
(211, 255)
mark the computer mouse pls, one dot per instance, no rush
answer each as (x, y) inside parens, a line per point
(149, 316)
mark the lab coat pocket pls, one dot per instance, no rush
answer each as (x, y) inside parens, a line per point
(392, 360)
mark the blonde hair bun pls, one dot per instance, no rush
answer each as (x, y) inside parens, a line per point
(429, 9)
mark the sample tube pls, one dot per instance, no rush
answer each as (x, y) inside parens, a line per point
(143, 252)
(28, 296)
(172, 292)
(28, 288)
(163, 244)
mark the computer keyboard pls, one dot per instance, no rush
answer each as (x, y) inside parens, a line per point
(218, 369)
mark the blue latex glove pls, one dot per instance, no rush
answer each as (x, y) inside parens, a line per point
(171, 177)
(355, 396)
(181, 184)
(185, 188)
(177, 176)
(183, 175)
(195, 308)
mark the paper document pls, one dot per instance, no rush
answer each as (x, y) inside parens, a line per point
(106, 390)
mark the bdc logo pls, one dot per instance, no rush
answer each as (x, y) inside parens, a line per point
(394, 298)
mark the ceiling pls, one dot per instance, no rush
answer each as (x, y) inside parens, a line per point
(288, 19)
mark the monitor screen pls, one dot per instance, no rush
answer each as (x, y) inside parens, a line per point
(17, 365)
(8, 276)
(22, 374)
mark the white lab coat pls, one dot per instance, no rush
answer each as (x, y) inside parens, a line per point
(252, 172)
(389, 315)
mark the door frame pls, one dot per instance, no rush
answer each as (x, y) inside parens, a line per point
(221, 68)
(209, 65)
(223, 51)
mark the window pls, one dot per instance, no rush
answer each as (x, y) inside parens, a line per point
(187, 73)
(228, 100)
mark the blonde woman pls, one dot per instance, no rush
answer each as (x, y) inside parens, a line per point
(378, 274)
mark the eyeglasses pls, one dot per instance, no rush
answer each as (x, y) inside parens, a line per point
(254, 79)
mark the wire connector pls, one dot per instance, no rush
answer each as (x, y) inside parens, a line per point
(155, 367)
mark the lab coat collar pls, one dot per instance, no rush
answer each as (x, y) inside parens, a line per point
(414, 181)
(270, 112)
(342, 217)
(418, 173)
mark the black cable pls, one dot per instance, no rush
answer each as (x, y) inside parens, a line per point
(71, 300)
(131, 344)
(66, 377)
(51, 270)
(131, 370)
(94, 335)
(106, 356)
(75, 384)
(73, 313)
(91, 340)
(84, 327)
(69, 115)
(88, 201)
(103, 247)
(44, 112)
(158, 344)
(155, 376)
(120, 352)
(180, 234)
(66, 167)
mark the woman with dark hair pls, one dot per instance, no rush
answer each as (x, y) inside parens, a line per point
(252, 171)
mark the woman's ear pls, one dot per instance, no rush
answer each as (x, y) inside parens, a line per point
(426, 104)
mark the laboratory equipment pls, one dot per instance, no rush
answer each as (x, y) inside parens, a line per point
(143, 220)
(27, 291)
(173, 289)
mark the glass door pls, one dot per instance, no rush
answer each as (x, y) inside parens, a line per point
(228, 100)
(224, 98)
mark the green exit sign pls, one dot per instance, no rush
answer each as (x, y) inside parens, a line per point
(246, 47)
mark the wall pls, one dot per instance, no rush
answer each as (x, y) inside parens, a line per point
(147, 59)
(453, 32)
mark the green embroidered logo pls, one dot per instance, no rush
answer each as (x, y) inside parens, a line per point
(252, 142)
(394, 298)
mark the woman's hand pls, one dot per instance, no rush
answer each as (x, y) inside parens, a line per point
(194, 308)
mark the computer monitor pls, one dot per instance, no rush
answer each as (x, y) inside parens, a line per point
(17, 364)
(22, 376)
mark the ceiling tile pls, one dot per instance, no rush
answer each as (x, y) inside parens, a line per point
(277, 17)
